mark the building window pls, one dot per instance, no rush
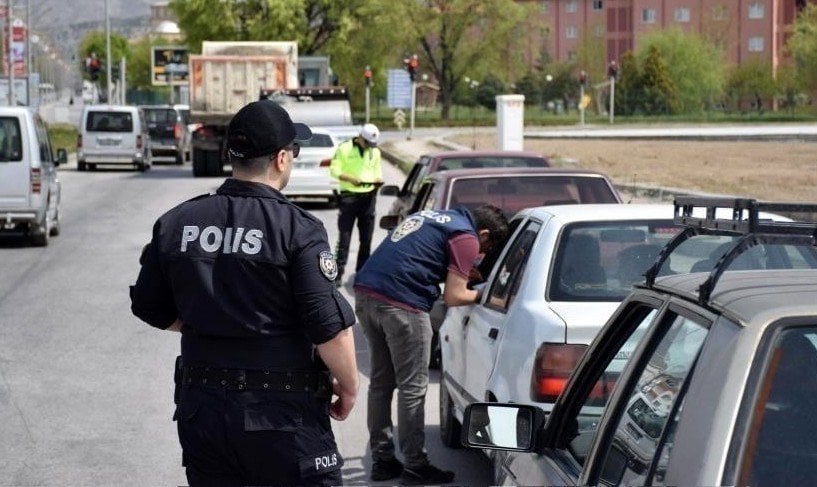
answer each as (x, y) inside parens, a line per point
(648, 15)
(756, 44)
(572, 6)
(720, 12)
(756, 10)
(599, 30)
(571, 55)
(682, 14)
(598, 5)
(544, 6)
(572, 32)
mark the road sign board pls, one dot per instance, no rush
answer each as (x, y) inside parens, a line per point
(398, 89)
(169, 65)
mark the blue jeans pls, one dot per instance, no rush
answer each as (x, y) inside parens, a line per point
(399, 347)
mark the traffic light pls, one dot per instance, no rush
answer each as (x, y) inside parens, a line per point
(367, 75)
(412, 65)
(583, 78)
(612, 70)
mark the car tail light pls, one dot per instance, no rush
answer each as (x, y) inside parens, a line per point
(326, 162)
(204, 131)
(79, 141)
(552, 367)
(139, 141)
(36, 180)
(177, 131)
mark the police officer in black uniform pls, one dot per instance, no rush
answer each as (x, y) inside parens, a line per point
(247, 278)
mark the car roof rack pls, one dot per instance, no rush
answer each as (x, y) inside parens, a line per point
(745, 223)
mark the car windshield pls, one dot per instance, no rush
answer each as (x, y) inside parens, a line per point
(513, 193)
(317, 140)
(490, 161)
(109, 122)
(600, 261)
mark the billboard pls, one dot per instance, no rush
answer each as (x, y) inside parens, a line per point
(168, 65)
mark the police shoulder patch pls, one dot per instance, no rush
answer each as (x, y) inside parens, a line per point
(409, 225)
(329, 268)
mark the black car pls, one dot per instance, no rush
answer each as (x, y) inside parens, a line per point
(168, 133)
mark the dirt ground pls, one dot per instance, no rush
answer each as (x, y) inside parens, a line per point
(767, 170)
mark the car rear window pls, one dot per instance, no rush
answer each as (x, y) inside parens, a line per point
(159, 115)
(11, 148)
(600, 261)
(317, 140)
(109, 122)
(514, 193)
(492, 161)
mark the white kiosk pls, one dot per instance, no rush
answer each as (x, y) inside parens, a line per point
(510, 122)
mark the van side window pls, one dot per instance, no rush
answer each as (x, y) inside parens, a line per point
(11, 148)
(45, 146)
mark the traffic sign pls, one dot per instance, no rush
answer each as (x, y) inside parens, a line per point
(169, 65)
(399, 118)
(398, 89)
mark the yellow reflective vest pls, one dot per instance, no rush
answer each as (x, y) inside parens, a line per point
(348, 160)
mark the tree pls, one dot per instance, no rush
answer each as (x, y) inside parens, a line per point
(459, 38)
(140, 75)
(95, 42)
(659, 93)
(312, 23)
(487, 91)
(629, 86)
(803, 46)
(751, 82)
(694, 65)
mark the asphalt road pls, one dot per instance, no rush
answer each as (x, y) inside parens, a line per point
(86, 390)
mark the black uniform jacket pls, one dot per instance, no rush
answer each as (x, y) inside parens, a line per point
(249, 274)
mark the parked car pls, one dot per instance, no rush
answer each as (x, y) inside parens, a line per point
(113, 134)
(697, 378)
(169, 136)
(510, 189)
(310, 170)
(557, 281)
(30, 189)
(443, 161)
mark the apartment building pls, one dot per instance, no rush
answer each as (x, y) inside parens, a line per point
(743, 29)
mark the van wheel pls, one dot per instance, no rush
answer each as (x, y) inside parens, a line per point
(141, 166)
(81, 166)
(55, 223)
(40, 238)
(450, 428)
(180, 158)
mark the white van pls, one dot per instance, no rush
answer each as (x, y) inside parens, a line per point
(29, 186)
(113, 134)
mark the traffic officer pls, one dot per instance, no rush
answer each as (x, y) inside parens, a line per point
(247, 278)
(356, 164)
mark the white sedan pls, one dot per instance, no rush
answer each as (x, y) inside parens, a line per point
(310, 172)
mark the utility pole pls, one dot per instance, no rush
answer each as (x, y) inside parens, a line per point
(367, 76)
(12, 100)
(29, 96)
(108, 50)
(612, 72)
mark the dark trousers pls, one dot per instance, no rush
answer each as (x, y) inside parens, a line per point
(353, 207)
(237, 438)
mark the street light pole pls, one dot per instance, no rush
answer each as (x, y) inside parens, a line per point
(108, 50)
(12, 101)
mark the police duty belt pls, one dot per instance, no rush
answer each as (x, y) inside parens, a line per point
(258, 380)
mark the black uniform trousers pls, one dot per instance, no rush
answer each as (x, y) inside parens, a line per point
(351, 207)
(239, 438)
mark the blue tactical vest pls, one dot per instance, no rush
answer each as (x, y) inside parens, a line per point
(409, 265)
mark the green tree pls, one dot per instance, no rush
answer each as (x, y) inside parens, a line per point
(751, 82)
(95, 42)
(629, 86)
(459, 38)
(528, 85)
(487, 90)
(591, 57)
(694, 65)
(659, 93)
(313, 23)
(140, 75)
(803, 46)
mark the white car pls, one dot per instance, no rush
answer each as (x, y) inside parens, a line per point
(561, 275)
(310, 172)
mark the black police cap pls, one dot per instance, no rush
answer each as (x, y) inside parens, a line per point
(262, 127)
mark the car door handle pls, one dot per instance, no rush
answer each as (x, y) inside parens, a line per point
(493, 333)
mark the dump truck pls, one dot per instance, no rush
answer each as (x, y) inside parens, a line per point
(228, 75)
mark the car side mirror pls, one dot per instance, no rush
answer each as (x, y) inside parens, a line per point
(389, 190)
(501, 426)
(389, 221)
(62, 157)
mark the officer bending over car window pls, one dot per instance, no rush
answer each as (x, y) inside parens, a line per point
(247, 278)
(394, 292)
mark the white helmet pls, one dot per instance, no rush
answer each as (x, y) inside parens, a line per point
(370, 134)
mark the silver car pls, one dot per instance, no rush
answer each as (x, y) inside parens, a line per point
(719, 385)
(310, 171)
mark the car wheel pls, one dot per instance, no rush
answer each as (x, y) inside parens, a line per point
(40, 238)
(450, 428)
(141, 166)
(180, 158)
(55, 223)
(81, 166)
